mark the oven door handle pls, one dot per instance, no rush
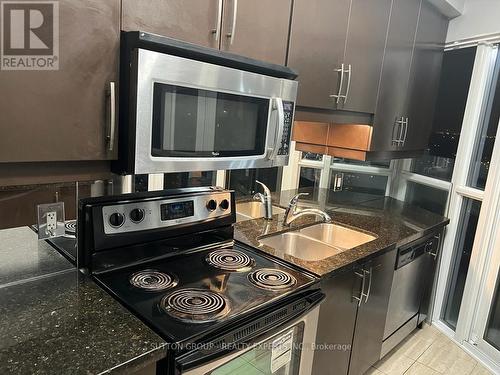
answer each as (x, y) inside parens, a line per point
(277, 105)
(194, 363)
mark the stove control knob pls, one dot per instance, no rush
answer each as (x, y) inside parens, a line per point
(116, 219)
(212, 205)
(224, 204)
(137, 215)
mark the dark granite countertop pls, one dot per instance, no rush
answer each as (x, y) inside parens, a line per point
(57, 320)
(66, 324)
(23, 257)
(395, 223)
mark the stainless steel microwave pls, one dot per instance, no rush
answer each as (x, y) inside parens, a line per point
(189, 108)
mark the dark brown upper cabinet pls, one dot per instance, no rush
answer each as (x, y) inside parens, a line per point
(192, 21)
(337, 48)
(66, 114)
(425, 76)
(410, 78)
(390, 64)
(390, 116)
(254, 29)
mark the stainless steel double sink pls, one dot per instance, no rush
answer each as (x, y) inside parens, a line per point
(313, 243)
(318, 241)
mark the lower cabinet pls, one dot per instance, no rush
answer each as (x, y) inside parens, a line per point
(337, 317)
(372, 311)
(352, 317)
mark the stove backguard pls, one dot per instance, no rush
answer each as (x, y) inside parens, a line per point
(151, 225)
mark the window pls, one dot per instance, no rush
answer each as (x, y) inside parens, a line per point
(492, 334)
(365, 183)
(461, 257)
(438, 160)
(309, 177)
(427, 197)
(483, 148)
(242, 181)
(434, 166)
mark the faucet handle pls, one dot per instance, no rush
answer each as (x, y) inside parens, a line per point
(264, 187)
(295, 199)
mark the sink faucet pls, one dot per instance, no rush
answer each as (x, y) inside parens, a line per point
(265, 199)
(292, 212)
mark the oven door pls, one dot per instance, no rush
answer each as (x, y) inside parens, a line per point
(286, 351)
(193, 115)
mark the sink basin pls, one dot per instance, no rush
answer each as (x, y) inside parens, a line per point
(253, 210)
(300, 246)
(337, 235)
(317, 242)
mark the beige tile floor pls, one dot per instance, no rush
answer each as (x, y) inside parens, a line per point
(427, 352)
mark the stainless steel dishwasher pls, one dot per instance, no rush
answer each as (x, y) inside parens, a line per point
(413, 275)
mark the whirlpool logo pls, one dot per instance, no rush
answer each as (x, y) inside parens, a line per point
(29, 35)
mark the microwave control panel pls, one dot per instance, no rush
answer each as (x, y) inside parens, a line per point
(287, 128)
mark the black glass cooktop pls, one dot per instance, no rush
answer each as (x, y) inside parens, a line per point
(184, 296)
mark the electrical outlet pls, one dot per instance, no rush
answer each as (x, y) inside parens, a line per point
(50, 220)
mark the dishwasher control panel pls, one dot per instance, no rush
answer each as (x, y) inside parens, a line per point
(409, 253)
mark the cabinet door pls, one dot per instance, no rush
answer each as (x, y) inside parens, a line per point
(370, 322)
(61, 114)
(257, 29)
(368, 23)
(317, 40)
(395, 73)
(424, 77)
(337, 316)
(192, 21)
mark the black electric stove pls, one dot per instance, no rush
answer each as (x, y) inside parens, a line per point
(170, 258)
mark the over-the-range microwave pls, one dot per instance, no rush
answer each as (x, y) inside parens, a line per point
(185, 107)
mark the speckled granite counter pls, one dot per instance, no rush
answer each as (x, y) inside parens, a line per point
(23, 257)
(393, 222)
(55, 320)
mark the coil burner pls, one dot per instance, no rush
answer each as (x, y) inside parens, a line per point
(230, 260)
(272, 279)
(152, 280)
(195, 305)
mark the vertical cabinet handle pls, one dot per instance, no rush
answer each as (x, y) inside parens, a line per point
(232, 32)
(369, 290)
(359, 298)
(339, 93)
(399, 131)
(405, 132)
(216, 30)
(349, 74)
(111, 96)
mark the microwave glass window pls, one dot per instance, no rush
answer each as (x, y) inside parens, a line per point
(192, 123)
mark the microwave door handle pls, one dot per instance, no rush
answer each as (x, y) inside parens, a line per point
(277, 105)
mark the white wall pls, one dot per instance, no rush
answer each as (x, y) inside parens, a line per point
(479, 17)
